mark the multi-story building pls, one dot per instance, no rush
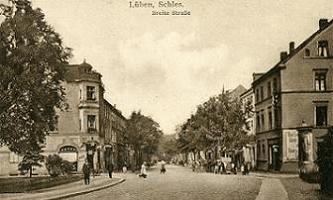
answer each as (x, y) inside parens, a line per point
(78, 135)
(85, 130)
(114, 125)
(293, 103)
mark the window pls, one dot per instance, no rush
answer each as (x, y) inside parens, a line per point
(91, 123)
(258, 121)
(323, 48)
(270, 119)
(258, 148)
(13, 158)
(257, 95)
(307, 52)
(262, 120)
(274, 85)
(276, 118)
(321, 115)
(91, 93)
(261, 93)
(269, 89)
(320, 81)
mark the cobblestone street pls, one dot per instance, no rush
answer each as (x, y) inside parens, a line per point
(180, 183)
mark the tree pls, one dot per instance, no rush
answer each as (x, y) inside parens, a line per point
(30, 160)
(167, 147)
(143, 136)
(32, 59)
(220, 121)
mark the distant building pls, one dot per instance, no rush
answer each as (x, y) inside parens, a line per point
(293, 103)
(115, 137)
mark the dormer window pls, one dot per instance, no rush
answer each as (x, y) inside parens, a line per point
(91, 93)
(307, 53)
(323, 48)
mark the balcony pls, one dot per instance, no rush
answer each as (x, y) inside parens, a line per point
(89, 104)
(92, 130)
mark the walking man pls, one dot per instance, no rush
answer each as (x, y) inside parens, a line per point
(86, 172)
(110, 169)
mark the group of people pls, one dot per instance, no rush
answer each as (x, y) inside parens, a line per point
(87, 170)
(219, 167)
(143, 172)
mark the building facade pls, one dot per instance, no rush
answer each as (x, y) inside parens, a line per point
(78, 135)
(85, 130)
(293, 103)
(115, 137)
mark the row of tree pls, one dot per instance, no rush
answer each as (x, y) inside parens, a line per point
(220, 121)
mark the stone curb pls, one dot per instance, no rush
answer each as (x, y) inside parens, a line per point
(274, 175)
(73, 194)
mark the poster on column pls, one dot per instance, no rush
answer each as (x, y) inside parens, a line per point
(292, 145)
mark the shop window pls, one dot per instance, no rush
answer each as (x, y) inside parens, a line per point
(91, 123)
(320, 81)
(323, 48)
(91, 93)
(263, 149)
(321, 115)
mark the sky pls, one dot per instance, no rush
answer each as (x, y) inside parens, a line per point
(167, 65)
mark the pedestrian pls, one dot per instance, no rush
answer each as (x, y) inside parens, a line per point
(163, 170)
(110, 169)
(125, 168)
(143, 172)
(86, 172)
(243, 169)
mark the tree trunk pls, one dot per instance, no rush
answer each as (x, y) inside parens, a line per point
(30, 171)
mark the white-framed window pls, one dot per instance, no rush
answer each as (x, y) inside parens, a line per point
(91, 123)
(323, 48)
(320, 81)
(91, 93)
(14, 158)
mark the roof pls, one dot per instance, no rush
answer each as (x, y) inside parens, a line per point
(116, 111)
(281, 63)
(236, 93)
(83, 71)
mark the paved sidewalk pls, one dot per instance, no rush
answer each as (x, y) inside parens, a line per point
(66, 190)
(272, 189)
(273, 175)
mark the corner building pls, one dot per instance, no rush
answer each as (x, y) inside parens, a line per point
(78, 136)
(293, 103)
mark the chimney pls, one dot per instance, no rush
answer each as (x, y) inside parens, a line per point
(323, 23)
(283, 55)
(291, 47)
